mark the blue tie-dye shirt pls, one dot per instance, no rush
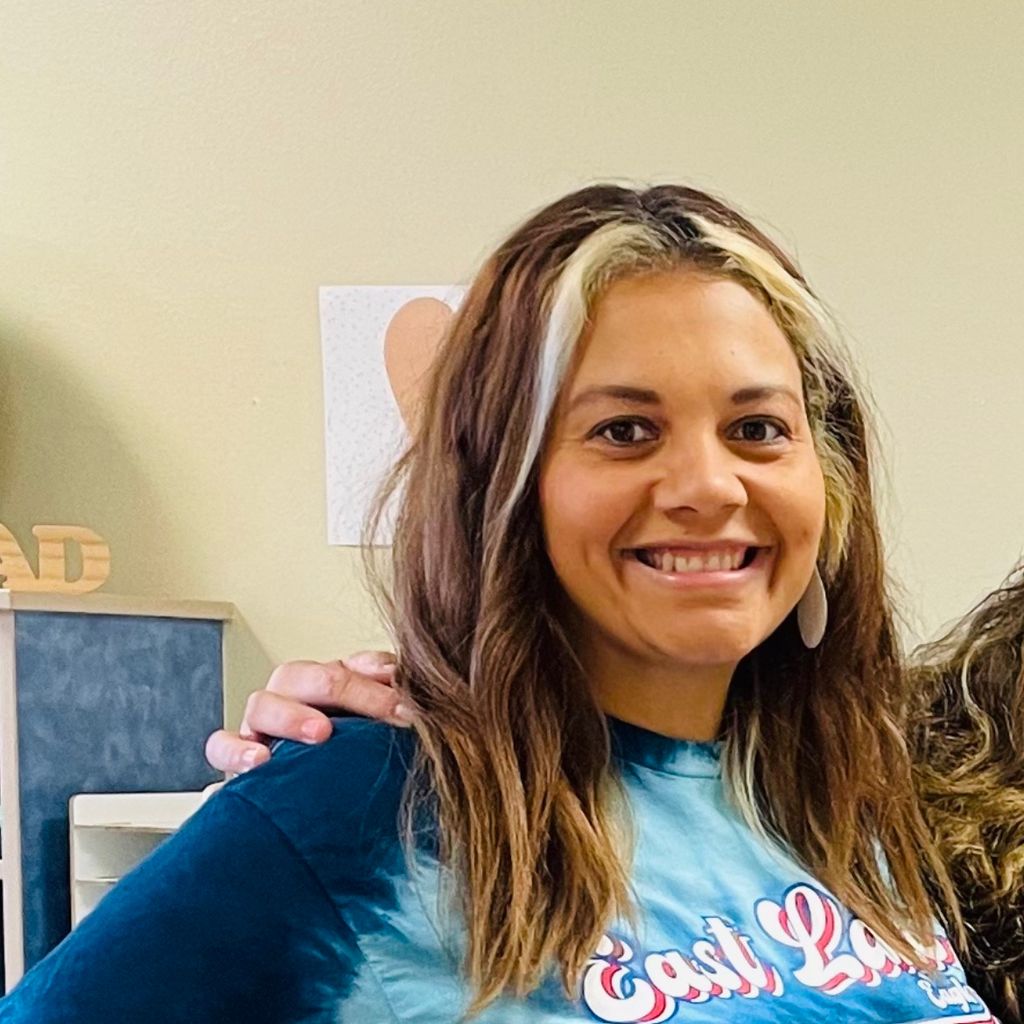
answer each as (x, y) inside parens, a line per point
(288, 897)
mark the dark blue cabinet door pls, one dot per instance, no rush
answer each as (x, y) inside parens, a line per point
(106, 703)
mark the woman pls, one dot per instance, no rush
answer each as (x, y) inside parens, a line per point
(646, 777)
(967, 735)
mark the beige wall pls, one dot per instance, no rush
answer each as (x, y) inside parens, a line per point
(178, 177)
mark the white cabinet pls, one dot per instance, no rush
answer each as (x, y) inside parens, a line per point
(112, 832)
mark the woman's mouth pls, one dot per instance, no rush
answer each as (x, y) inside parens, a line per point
(716, 568)
(683, 561)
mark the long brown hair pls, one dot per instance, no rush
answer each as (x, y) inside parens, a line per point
(968, 743)
(513, 749)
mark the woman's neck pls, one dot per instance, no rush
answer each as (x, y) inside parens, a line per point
(681, 701)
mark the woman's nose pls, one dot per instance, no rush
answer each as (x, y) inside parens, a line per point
(699, 475)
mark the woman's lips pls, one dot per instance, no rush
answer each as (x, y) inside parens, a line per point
(750, 567)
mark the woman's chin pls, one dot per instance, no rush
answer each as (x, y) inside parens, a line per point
(708, 649)
(707, 657)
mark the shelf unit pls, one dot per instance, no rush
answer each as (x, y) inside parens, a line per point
(112, 832)
(98, 694)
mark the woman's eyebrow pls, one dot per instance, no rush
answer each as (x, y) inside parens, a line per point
(759, 392)
(646, 396)
(622, 392)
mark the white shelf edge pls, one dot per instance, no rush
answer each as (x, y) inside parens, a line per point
(12, 912)
(156, 828)
(98, 603)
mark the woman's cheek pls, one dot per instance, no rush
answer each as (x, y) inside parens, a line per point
(582, 506)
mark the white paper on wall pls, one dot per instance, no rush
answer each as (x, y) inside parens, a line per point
(363, 428)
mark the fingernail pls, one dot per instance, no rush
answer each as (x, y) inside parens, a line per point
(310, 730)
(403, 714)
(364, 662)
(250, 757)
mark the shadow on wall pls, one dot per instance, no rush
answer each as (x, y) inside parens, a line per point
(63, 461)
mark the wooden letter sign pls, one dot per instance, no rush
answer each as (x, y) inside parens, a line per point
(17, 574)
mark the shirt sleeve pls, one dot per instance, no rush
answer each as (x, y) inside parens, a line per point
(224, 921)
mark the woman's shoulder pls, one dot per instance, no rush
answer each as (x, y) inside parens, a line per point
(344, 794)
(359, 744)
(256, 882)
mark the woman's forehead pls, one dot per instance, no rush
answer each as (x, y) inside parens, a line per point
(661, 327)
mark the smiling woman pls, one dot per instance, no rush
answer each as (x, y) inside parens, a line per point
(646, 776)
(681, 495)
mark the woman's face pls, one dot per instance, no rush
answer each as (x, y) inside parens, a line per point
(681, 497)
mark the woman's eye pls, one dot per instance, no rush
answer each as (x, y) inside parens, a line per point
(625, 432)
(760, 431)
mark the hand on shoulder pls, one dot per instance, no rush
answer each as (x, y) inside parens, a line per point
(297, 700)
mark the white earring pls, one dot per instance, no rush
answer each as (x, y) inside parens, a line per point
(812, 612)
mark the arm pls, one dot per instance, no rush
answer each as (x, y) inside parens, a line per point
(292, 706)
(198, 935)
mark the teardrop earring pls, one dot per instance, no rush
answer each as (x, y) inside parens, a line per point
(812, 612)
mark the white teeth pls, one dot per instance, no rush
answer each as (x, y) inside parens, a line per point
(717, 561)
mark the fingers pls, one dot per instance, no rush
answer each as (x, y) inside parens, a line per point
(379, 665)
(229, 752)
(360, 685)
(289, 707)
(271, 715)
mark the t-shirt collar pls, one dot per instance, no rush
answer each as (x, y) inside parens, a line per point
(639, 746)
